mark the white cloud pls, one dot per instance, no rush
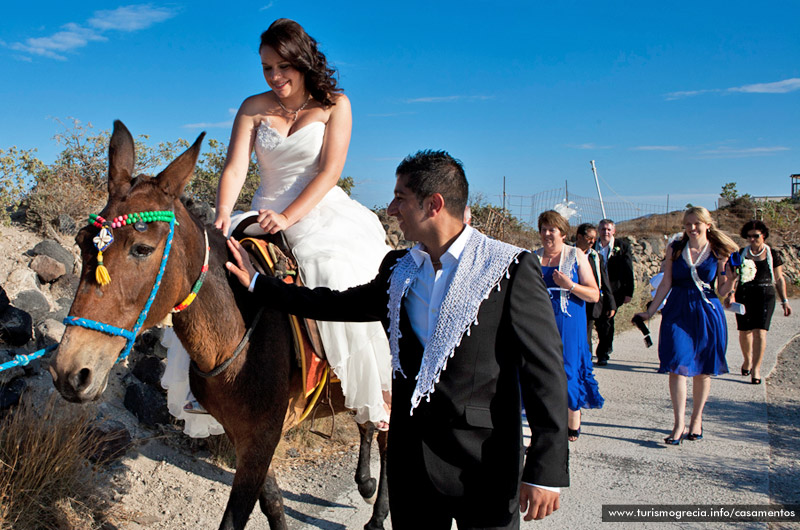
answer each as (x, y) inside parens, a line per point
(657, 148)
(777, 87)
(75, 36)
(268, 6)
(130, 18)
(729, 152)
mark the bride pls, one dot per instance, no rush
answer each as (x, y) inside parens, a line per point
(300, 131)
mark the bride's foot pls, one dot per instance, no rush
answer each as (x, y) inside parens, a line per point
(383, 425)
(194, 407)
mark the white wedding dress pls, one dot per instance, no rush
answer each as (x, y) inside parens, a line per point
(338, 244)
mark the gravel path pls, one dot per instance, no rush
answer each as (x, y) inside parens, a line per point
(750, 454)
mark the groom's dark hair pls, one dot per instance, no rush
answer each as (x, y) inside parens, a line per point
(428, 172)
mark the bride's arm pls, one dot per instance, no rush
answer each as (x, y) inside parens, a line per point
(331, 164)
(237, 162)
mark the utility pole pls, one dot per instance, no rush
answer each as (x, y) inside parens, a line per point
(599, 195)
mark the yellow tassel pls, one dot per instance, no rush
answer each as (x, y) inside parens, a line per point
(101, 274)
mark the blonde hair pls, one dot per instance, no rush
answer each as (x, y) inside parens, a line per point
(721, 244)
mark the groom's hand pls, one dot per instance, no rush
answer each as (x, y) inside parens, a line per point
(242, 269)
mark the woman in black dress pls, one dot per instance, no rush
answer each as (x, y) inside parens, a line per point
(758, 296)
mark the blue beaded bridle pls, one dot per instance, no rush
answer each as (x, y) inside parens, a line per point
(130, 335)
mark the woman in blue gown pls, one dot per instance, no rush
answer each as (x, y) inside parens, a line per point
(694, 334)
(571, 284)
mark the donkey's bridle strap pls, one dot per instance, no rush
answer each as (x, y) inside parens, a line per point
(242, 343)
(131, 335)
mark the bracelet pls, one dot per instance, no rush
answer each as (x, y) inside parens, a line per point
(784, 301)
(572, 288)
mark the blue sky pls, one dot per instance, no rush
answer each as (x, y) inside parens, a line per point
(676, 99)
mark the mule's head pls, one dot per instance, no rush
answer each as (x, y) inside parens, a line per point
(81, 365)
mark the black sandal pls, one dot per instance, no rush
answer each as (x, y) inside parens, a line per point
(745, 371)
(573, 434)
(755, 381)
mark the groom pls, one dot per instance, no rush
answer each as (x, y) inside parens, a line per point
(471, 331)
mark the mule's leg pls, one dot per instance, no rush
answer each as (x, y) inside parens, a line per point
(381, 509)
(252, 462)
(367, 486)
(271, 501)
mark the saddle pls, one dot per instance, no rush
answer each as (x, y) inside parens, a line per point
(270, 255)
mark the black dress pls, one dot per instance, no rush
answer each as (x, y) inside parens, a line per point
(758, 295)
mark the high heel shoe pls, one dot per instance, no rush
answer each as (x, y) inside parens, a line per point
(694, 437)
(669, 440)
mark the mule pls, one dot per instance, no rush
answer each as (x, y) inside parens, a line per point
(153, 263)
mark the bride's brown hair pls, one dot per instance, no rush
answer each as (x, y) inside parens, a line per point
(290, 41)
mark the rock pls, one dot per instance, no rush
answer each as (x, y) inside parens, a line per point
(4, 301)
(147, 404)
(47, 268)
(112, 439)
(10, 393)
(149, 370)
(17, 326)
(34, 302)
(53, 249)
(50, 331)
(66, 225)
(21, 279)
(66, 286)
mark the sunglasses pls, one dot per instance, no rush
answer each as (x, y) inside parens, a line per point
(754, 236)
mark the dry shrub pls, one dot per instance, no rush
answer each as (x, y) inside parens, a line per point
(46, 480)
(63, 192)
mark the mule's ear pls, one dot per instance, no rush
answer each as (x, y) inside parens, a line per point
(120, 161)
(176, 175)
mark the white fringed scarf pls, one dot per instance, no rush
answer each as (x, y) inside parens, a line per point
(569, 256)
(480, 269)
(701, 258)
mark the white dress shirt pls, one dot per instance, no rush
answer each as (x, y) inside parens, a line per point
(424, 298)
(605, 251)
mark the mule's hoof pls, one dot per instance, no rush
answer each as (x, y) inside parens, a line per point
(368, 490)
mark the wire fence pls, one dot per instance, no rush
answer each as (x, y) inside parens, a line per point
(575, 208)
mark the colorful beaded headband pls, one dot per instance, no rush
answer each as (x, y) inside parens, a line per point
(106, 236)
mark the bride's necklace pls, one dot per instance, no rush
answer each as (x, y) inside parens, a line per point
(294, 113)
(756, 255)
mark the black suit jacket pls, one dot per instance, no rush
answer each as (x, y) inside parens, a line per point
(620, 270)
(594, 310)
(469, 433)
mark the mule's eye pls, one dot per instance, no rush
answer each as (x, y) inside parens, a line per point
(141, 251)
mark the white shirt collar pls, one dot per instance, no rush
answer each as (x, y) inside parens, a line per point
(609, 246)
(452, 254)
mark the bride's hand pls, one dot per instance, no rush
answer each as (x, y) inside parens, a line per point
(223, 222)
(272, 222)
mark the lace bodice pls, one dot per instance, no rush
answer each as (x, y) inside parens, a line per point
(286, 163)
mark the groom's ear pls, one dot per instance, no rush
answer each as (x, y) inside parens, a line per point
(434, 205)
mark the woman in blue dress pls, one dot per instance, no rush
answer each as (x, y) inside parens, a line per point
(571, 284)
(694, 334)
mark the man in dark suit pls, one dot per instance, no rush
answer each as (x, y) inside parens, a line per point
(619, 262)
(471, 331)
(585, 239)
